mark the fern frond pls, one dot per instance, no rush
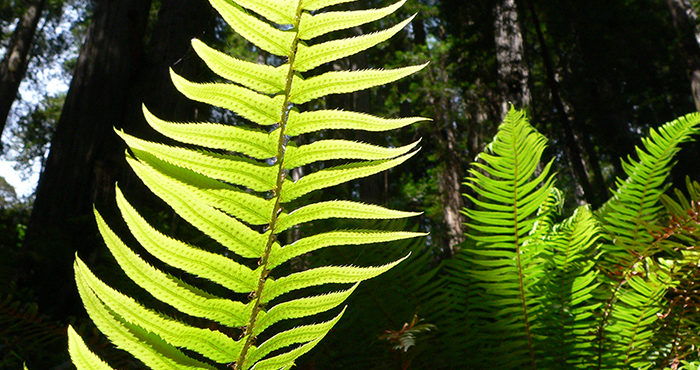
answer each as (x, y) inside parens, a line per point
(629, 215)
(630, 219)
(548, 211)
(677, 334)
(212, 344)
(211, 266)
(171, 290)
(231, 183)
(312, 243)
(259, 77)
(258, 32)
(239, 171)
(302, 334)
(506, 261)
(307, 122)
(568, 293)
(449, 301)
(377, 304)
(346, 82)
(338, 175)
(278, 11)
(247, 207)
(340, 149)
(320, 276)
(147, 347)
(338, 209)
(247, 103)
(631, 330)
(302, 307)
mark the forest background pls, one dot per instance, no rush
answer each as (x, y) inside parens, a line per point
(594, 76)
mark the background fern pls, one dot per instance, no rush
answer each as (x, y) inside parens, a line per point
(247, 201)
(589, 291)
(23, 329)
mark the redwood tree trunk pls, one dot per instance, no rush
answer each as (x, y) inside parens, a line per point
(450, 174)
(572, 145)
(449, 185)
(685, 21)
(113, 76)
(512, 70)
(444, 132)
(14, 65)
(81, 154)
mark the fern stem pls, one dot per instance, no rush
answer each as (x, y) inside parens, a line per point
(608, 306)
(564, 302)
(279, 160)
(613, 297)
(609, 303)
(517, 253)
(660, 238)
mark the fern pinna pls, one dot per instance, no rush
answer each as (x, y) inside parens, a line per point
(236, 190)
(590, 291)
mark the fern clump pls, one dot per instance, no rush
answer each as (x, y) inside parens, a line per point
(599, 289)
(233, 184)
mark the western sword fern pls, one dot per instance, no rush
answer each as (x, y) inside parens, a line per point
(586, 292)
(233, 186)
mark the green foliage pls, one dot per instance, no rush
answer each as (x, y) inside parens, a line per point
(14, 217)
(33, 132)
(247, 201)
(27, 334)
(8, 195)
(596, 290)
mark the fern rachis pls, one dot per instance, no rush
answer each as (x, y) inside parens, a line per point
(230, 197)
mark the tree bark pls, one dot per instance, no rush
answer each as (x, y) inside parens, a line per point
(81, 157)
(571, 142)
(14, 65)
(510, 56)
(113, 76)
(685, 20)
(449, 185)
(444, 132)
(450, 174)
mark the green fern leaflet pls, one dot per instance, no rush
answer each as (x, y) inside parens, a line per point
(233, 184)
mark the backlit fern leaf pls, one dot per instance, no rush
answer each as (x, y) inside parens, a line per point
(234, 187)
(565, 335)
(636, 282)
(630, 214)
(506, 260)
